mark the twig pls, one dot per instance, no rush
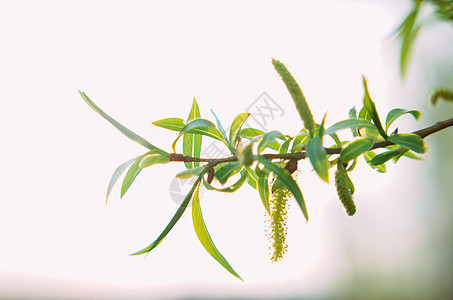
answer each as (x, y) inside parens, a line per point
(423, 133)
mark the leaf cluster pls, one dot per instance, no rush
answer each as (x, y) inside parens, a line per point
(411, 26)
(258, 156)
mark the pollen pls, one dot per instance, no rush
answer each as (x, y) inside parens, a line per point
(277, 223)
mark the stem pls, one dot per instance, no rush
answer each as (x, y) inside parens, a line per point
(423, 133)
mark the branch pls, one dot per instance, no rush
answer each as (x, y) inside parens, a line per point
(301, 155)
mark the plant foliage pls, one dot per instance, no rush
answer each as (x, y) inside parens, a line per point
(267, 161)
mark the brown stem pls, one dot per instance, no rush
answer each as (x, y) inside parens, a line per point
(301, 155)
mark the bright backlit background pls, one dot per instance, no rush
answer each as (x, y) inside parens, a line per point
(142, 61)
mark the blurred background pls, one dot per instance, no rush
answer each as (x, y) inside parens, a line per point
(142, 61)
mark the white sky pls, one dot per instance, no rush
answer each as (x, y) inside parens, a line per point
(145, 60)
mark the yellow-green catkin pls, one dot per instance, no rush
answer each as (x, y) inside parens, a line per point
(296, 93)
(443, 93)
(343, 191)
(277, 224)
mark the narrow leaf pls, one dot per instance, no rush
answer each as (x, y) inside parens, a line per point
(225, 171)
(287, 180)
(232, 188)
(175, 124)
(407, 32)
(133, 136)
(252, 178)
(220, 126)
(192, 172)
(364, 115)
(236, 127)
(350, 123)
(121, 168)
(200, 126)
(173, 221)
(285, 146)
(369, 155)
(262, 179)
(410, 141)
(131, 174)
(318, 157)
(191, 144)
(355, 148)
(398, 112)
(384, 157)
(204, 236)
(153, 158)
(268, 138)
(371, 109)
(250, 132)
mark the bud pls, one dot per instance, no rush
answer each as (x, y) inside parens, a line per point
(245, 154)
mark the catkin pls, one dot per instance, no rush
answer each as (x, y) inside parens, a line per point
(278, 226)
(343, 191)
(443, 93)
(296, 93)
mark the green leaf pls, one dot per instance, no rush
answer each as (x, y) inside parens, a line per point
(410, 154)
(131, 174)
(371, 109)
(364, 115)
(287, 180)
(353, 115)
(200, 126)
(407, 33)
(204, 236)
(337, 140)
(154, 157)
(225, 171)
(133, 136)
(268, 138)
(252, 178)
(383, 157)
(355, 148)
(285, 146)
(369, 155)
(220, 127)
(350, 123)
(236, 126)
(321, 128)
(410, 141)
(350, 183)
(173, 221)
(318, 157)
(407, 46)
(250, 132)
(117, 174)
(175, 124)
(192, 172)
(398, 112)
(191, 144)
(232, 188)
(299, 141)
(262, 179)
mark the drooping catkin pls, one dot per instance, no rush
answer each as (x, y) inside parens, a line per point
(343, 191)
(443, 93)
(296, 93)
(277, 223)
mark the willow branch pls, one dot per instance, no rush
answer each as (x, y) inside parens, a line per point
(423, 133)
